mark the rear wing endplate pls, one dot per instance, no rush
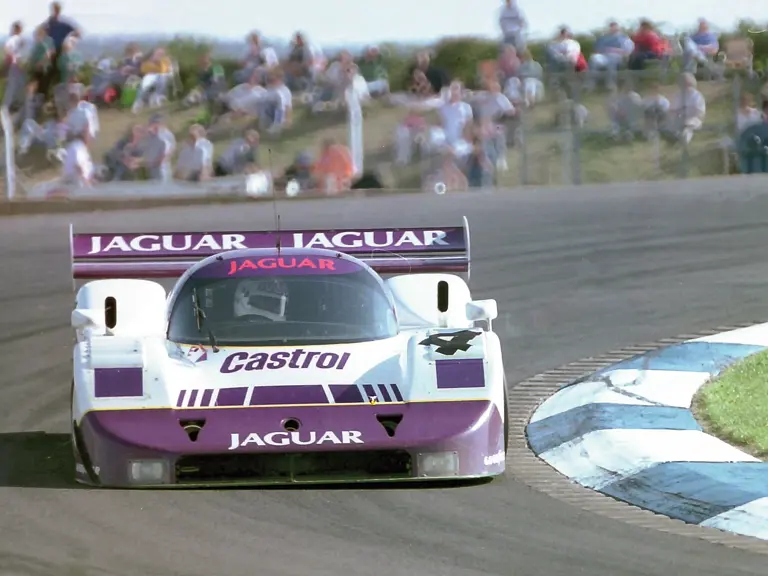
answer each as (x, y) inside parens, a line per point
(170, 254)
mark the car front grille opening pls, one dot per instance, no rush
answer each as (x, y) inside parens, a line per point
(297, 467)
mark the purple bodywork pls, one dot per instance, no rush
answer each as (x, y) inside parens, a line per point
(473, 429)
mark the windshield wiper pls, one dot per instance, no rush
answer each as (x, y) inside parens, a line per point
(200, 318)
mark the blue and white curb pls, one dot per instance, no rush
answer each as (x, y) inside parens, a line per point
(627, 431)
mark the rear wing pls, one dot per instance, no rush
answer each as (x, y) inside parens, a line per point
(170, 254)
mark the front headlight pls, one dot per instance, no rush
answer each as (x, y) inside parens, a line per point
(148, 472)
(438, 464)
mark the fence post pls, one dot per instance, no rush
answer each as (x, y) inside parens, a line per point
(355, 118)
(10, 147)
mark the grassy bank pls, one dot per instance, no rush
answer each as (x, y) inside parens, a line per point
(734, 406)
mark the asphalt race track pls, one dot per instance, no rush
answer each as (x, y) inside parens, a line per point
(576, 272)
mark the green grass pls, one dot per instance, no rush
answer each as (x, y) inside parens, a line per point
(734, 406)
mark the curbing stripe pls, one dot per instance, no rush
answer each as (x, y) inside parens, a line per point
(525, 466)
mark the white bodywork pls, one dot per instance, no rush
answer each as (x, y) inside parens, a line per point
(171, 372)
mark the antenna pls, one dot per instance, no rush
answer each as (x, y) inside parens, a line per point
(274, 201)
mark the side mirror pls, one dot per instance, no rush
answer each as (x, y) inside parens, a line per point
(85, 318)
(479, 310)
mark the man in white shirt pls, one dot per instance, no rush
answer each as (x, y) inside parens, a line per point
(15, 83)
(276, 110)
(687, 109)
(82, 118)
(456, 121)
(78, 166)
(563, 52)
(512, 24)
(195, 161)
(158, 148)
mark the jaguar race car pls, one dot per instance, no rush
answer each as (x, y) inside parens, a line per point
(301, 356)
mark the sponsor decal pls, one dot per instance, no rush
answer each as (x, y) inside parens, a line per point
(495, 459)
(169, 242)
(378, 239)
(236, 266)
(448, 343)
(218, 242)
(299, 358)
(295, 439)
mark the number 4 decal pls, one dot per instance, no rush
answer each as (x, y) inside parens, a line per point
(448, 343)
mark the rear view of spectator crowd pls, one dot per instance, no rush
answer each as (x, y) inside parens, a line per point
(461, 137)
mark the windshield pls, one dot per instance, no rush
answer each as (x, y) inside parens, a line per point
(289, 309)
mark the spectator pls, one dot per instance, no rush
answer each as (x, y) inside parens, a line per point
(69, 64)
(242, 100)
(648, 46)
(687, 109)
(305, 62)
(747, 114)
(512, 23)
(78, 170)
(59, 30)
(301, 171)
(412, 130)
(41, 60)
(259, 59)
(495, 110)
(158, 148)
(527, 88)
(211, 89)
(509, 63)
(82, 118)
(456, 123)
(336, 78)
(655, 110)
(564, 53)
(128, 155)
(612, 50)
(424, 78)
(195, 161)
(701, 47)
(374, 71)
(335, 168)
(13, 67)
(239, 155)
(479, 170)
(625, 111)
(276, 109)
(156, 72)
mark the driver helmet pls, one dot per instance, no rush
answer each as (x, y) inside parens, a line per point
(263, 297)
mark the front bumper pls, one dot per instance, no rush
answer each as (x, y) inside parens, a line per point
(251, 446)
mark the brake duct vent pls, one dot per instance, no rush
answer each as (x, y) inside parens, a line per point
(192, 428)
(390, 422)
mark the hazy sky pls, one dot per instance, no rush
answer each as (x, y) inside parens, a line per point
(367, 20)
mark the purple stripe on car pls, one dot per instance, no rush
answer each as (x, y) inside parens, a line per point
(396, 392)
(180, 399)
(469, 373)
(192, 398)
(231, 397)
(385, 393)
(346, 394)
(118, 382)
(207, 395)
(298, 394)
